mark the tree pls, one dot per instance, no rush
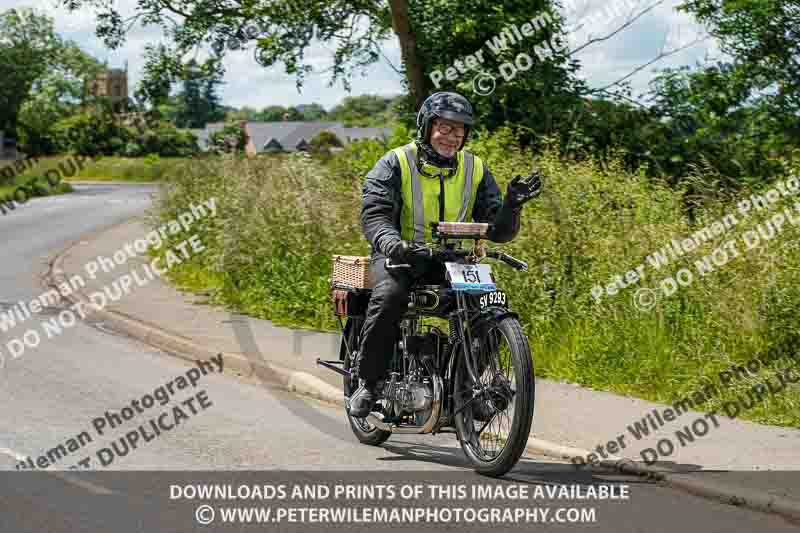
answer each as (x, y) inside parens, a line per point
(283, 30)
(312, 112)
(53, 97)
(230, 139)
(363, 110)
(28, 48)
(92, 132)
(324, 141)
(549, 77)
(245, 113)
(198, 100)
(737, 116)
(707, 116)
(276, 113)
(161, 69)
(433, 35)
(214, 110)
(763, 39)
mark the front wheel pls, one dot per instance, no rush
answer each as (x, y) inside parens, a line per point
(363, 430)
(495, 415)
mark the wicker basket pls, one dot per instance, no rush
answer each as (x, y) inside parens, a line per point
(351, 271)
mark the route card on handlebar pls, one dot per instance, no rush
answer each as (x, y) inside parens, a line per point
(470, 277)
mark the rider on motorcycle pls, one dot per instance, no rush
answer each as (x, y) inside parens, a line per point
(430, 179)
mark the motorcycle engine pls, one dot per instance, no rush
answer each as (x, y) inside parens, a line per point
(414, 397)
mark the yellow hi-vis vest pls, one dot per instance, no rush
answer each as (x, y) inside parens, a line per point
(420, 193)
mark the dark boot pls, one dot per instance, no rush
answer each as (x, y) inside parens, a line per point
(362, 402)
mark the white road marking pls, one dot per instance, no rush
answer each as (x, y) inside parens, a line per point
(91, 487)
(12, 453)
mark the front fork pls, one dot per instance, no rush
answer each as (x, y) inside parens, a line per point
(465, 331)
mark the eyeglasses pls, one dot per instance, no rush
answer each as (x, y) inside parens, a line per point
(446, 129)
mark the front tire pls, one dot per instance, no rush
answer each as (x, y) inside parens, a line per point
(365, 432)
(505, 350)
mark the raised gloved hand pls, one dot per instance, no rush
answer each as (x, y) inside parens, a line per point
(522, 190)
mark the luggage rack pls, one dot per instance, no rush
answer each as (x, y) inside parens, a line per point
(442, 231)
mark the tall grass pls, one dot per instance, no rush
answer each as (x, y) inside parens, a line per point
(139, 169)
(281, 218)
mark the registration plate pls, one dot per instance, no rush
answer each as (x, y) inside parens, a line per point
(470, 277)
(493, 299)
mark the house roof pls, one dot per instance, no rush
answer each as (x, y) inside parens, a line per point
(289, 133)
(308, 130)
(261, 132)
(272, 144)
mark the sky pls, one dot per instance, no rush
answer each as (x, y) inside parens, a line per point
(249, 84)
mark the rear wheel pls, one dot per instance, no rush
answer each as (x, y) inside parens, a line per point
(363, 430)
(494, 427)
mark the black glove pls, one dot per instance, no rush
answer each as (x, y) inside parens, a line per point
(406, 252)
(522, 190)
(399, 251)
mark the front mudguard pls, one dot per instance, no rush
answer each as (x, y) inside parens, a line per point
(480, 322)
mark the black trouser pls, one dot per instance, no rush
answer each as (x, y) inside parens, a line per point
(387, 305)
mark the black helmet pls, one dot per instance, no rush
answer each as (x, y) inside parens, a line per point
(447, 105)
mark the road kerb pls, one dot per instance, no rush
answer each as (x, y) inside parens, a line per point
(708, 489)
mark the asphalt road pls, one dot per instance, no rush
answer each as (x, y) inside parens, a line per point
(54, 395)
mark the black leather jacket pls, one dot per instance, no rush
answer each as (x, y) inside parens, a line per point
(382, 201)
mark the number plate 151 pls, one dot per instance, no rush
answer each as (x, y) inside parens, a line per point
(470, 278)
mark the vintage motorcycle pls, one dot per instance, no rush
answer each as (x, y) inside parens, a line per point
(476, 380)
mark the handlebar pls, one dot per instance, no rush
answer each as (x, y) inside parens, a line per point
(449, 254)
(513, 262)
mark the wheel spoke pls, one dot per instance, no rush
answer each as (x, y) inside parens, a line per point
(490, 439)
